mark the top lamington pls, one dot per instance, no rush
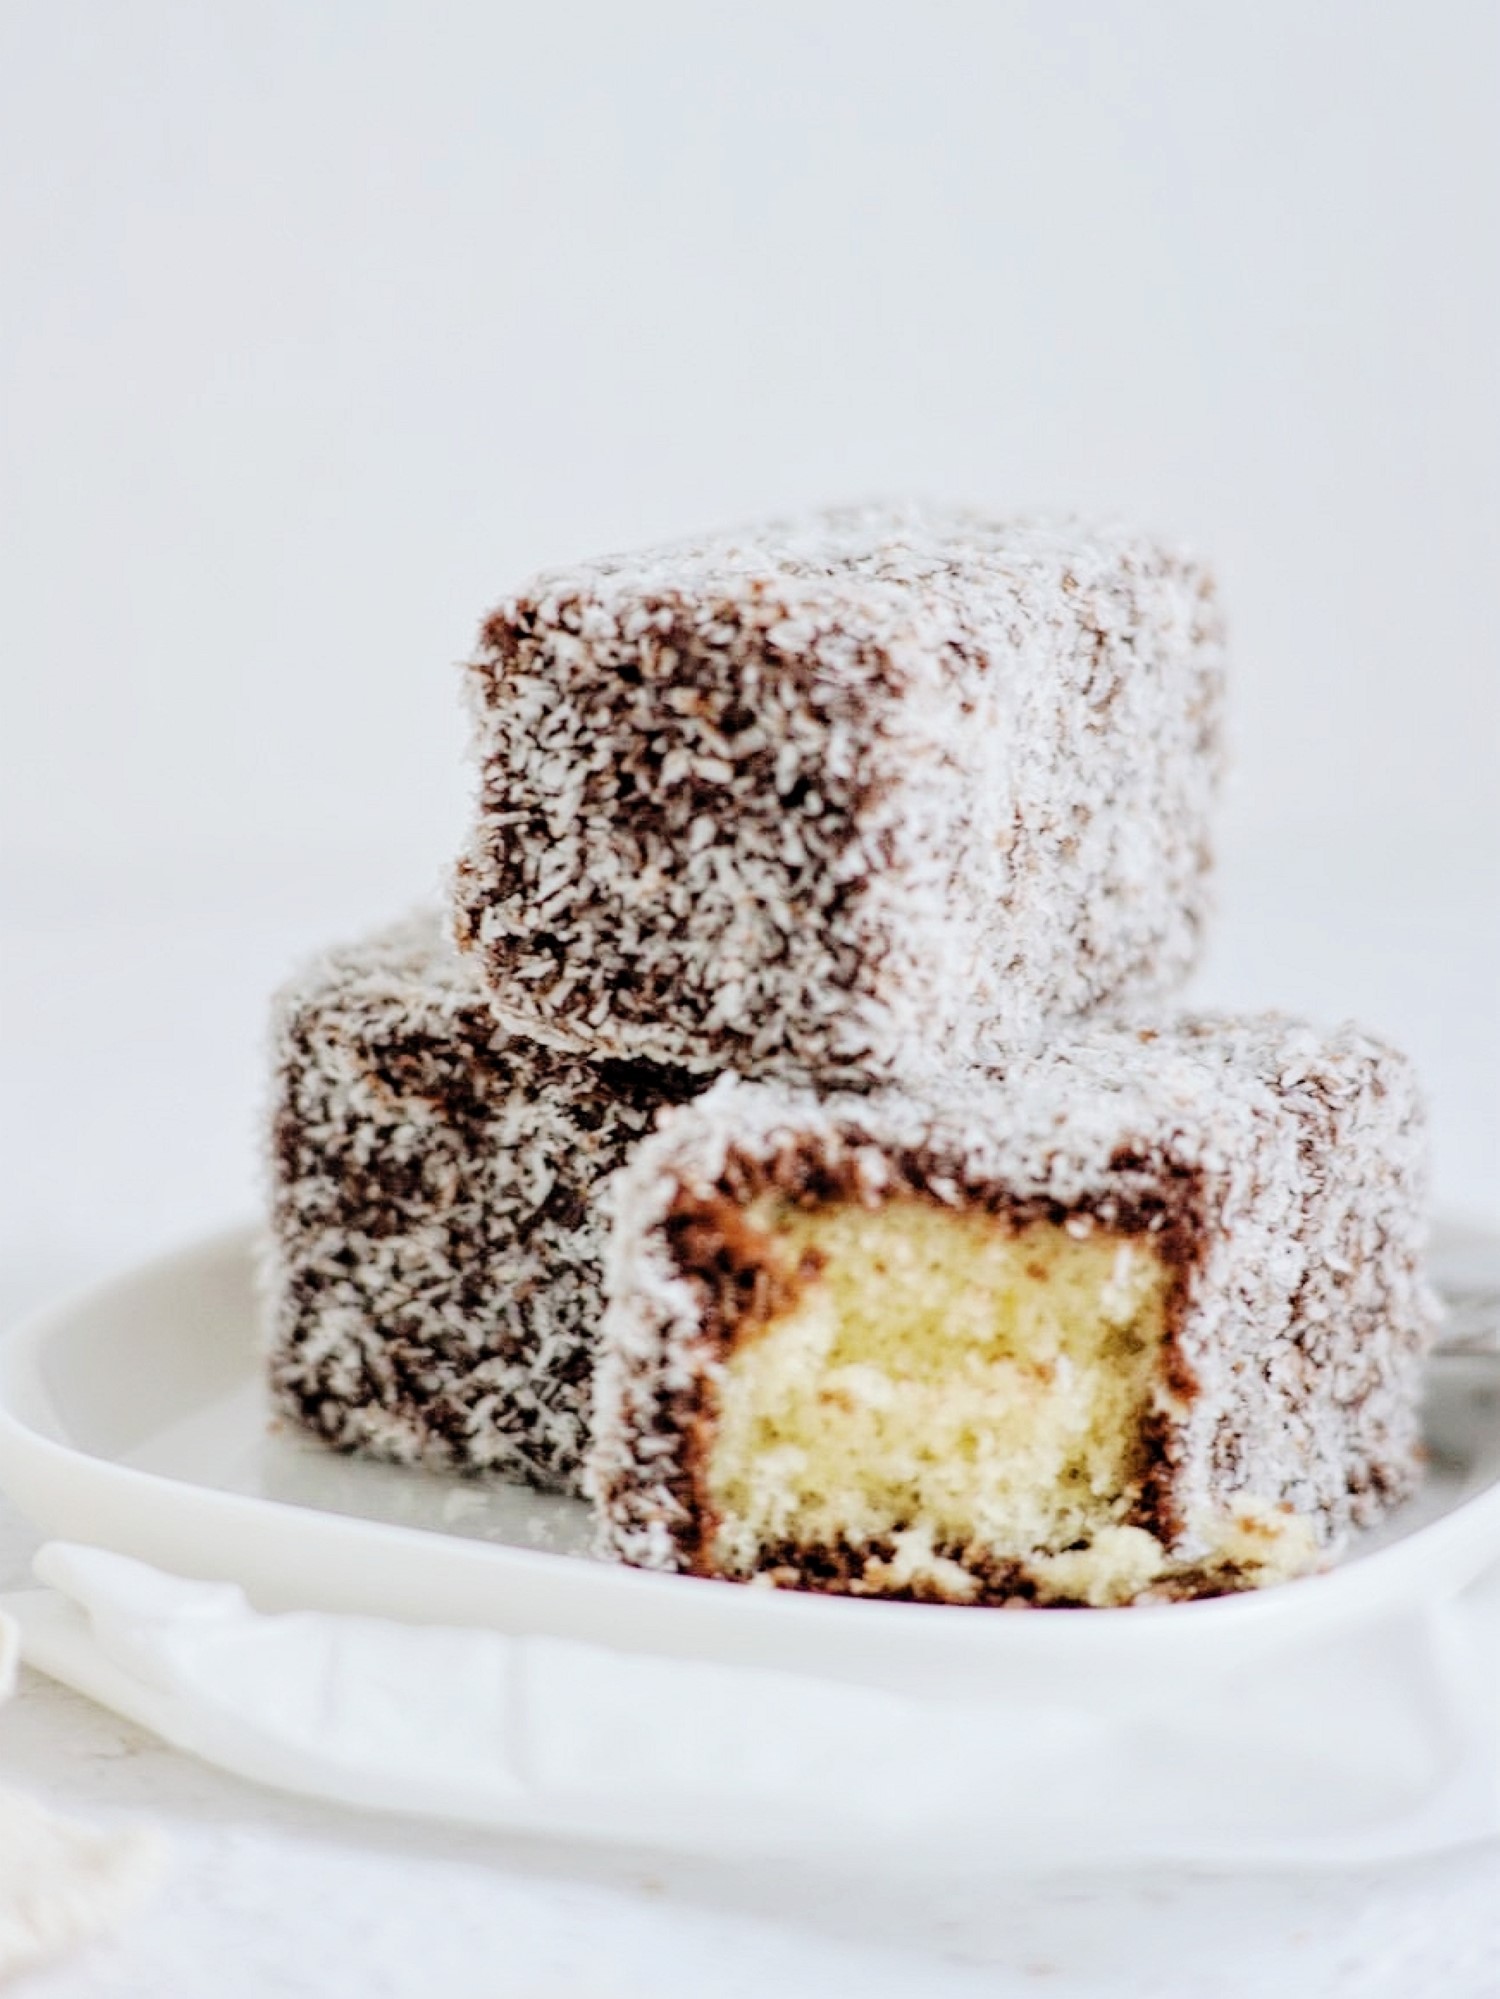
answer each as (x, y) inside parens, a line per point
(845, 799)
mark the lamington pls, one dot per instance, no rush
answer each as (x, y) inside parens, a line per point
(433, 1271)
(844, 799)
(1142, 1320)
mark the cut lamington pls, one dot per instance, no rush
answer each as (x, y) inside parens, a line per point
(434, 1266)
(844, 798)
(1145, 1319)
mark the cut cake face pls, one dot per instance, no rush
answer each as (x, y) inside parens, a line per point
(1143, 1320)
(853, 798)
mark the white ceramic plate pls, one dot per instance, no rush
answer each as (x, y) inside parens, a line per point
(132, 1418)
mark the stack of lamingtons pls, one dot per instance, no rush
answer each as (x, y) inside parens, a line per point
(788, 1142)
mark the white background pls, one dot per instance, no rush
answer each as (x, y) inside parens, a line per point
(326, 324)
(322, 325)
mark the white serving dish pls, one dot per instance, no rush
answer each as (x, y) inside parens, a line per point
(131, 1417)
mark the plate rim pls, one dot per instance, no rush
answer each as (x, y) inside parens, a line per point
(1466, 1537)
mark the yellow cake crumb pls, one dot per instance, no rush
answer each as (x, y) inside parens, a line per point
(954, 1407)
(1265, 1541)
(941, 1375)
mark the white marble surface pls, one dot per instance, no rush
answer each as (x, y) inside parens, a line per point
(133, 1127)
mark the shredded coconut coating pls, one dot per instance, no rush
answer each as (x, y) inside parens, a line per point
(1296, 1159)
(844, 799)
(434, 1266)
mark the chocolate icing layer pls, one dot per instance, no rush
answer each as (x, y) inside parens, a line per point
(1282, 1172)
(434, 1268)
(851, 798)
